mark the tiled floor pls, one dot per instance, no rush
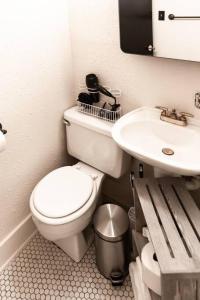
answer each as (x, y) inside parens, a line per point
(43, 271)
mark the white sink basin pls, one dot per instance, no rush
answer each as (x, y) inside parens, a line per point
(142, 134)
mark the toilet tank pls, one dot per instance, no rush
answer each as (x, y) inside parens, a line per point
(89, 140)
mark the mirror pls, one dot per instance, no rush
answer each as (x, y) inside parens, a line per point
(161, 28)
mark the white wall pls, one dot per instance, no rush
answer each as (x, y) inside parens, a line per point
(35, 88)
(143, 80)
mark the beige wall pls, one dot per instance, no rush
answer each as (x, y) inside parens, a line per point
(35, 88)
(143, 80)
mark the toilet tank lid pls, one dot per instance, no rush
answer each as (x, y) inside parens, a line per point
(74, 116)
(62, 192)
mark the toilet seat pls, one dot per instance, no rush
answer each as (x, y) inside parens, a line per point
(62, 192)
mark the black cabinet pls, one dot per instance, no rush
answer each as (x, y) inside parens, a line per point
(136, 35)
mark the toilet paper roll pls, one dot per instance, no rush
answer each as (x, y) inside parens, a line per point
(192, 183)
(150, 269)
(2, 142)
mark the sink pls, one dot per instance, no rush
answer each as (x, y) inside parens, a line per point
(170, 147)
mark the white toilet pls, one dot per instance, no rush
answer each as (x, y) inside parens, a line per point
(63, 202)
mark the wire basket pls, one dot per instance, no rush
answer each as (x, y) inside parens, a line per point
(99, 112)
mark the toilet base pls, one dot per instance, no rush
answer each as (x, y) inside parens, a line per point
(77, 245)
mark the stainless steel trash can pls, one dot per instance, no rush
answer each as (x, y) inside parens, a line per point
(111, 224)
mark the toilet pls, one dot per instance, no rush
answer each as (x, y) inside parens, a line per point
(63, 202)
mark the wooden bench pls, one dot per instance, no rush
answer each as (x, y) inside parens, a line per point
(173, 221)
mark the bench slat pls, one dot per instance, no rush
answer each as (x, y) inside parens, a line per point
(167, 221)
(189, 205)
(173, 221)
(183, 223)
(173, 235)
(156, 233)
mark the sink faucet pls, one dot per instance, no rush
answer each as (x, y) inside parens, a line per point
(172, 116)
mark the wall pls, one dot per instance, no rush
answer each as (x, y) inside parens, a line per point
(143, 80)
(35, 89)
(36, 86)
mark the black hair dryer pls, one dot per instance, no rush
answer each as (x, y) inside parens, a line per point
(92, 84)
(95, 89)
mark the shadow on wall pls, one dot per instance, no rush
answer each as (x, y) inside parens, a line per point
(195, 195)
(120, 190)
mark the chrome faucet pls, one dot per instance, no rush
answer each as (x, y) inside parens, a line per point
(172, 116)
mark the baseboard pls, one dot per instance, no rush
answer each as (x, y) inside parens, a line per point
(15, 240)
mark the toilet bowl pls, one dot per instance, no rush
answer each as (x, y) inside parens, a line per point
(62, 205)
(63, 202)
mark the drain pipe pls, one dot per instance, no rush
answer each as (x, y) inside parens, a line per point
(141, 171)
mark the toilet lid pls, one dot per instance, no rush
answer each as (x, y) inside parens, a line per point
(62, 192)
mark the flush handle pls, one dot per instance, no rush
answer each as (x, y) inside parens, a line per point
(66, 122)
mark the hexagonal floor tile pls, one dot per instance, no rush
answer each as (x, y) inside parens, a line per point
(43, 271)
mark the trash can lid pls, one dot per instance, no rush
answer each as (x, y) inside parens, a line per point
(111, 222)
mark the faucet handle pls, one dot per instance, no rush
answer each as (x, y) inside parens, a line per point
(185, 114)
(162, 108)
